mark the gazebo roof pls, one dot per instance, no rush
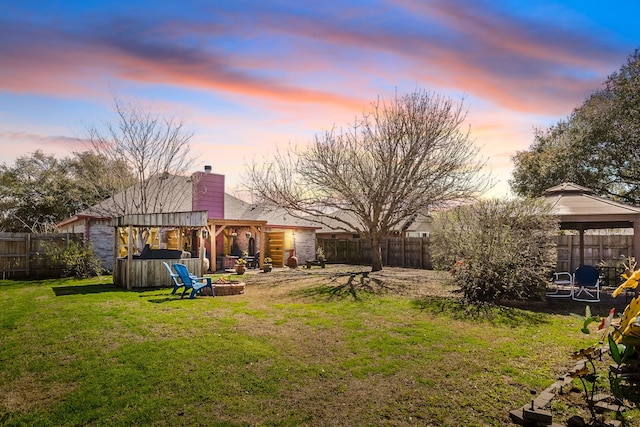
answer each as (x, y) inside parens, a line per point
(579, 208)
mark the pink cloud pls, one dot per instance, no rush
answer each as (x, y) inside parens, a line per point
(41, 140)
(485, 25)
(69, 64)
(479, 52)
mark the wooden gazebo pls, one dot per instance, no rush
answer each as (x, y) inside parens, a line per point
(579, 208)
(131, 272)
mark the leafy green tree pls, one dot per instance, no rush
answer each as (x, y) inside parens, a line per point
(40, 190)
(497, 249)
(34, 193)
(594, 147)
(98, 177)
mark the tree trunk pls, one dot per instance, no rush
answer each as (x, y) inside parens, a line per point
(376, 254)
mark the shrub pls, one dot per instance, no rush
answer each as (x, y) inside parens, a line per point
(497, 249)
(75, 260)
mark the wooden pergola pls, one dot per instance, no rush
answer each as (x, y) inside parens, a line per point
(579, 208)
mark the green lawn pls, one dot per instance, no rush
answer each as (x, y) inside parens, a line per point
(288, 352)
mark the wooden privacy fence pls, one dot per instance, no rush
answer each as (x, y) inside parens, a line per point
(610, 249)
(414, 252)
(22, 255)
(411, 252)
(605, 251)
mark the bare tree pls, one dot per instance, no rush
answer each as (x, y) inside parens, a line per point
(404, 157)
(154, 148)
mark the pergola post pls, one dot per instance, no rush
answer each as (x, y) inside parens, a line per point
(129, 255)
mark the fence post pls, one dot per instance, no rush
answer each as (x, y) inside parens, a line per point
(27, 255)
(388, 250)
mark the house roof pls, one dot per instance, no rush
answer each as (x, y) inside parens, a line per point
(331, 225)
(167, 193)
(418, 222)
(237, 209)
(176, 196)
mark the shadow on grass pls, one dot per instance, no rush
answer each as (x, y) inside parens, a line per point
(566, 306)
(168, 297)
(357, 285)
(163, 300)
(494, 314)
(85, 289)
(159, 295)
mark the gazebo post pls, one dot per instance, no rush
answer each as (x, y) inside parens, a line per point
(581, 231)
(636, 239)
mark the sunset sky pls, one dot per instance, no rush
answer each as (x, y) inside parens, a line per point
(251, 75)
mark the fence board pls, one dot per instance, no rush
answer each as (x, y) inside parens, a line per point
(22, 255)
(411, 252)
(609, 249)
(414, 252)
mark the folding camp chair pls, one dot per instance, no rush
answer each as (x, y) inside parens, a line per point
(562, 286)
(586, 282)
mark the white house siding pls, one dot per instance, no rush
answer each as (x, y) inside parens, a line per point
(301, 240)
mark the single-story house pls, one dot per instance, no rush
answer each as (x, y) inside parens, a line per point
(418, 225)
(233, 226)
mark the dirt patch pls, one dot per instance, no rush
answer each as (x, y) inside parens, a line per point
(401, 281)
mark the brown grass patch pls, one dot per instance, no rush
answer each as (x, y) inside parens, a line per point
(30, 392)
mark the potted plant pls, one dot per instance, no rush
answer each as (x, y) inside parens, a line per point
(266, 265)
(241, 266)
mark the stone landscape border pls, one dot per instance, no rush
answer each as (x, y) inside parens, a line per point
(533, 414)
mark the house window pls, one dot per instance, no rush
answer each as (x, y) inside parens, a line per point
(355, 236)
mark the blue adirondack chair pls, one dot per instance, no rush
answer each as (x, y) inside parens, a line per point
(176, 284)
(195, 284)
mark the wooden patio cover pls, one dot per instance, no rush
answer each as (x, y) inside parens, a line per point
(217, 226)
(578, 208)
